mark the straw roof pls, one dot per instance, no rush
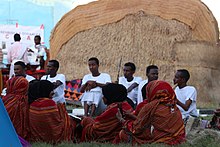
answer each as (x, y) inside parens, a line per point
(191, 12)
(170, 34)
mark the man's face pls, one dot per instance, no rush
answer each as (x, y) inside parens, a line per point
(152, 75)
(177, 78)
(36, 40)
(128, 73)
(93, 66)
(19, 70)
(50, 68)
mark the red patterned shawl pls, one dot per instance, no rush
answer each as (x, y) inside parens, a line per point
(49, 122)
(161, 113)
(16, 104)
(105, 127)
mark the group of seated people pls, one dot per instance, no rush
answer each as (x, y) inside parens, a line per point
(136, 87)
(38, 112)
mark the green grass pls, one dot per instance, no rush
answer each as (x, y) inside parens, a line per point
(206, 141)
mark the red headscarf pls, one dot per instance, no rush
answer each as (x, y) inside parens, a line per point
(162, 113)
(161, 91)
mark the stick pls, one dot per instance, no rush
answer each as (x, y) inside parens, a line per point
(119, 68)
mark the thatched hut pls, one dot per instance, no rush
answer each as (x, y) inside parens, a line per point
(172, 34)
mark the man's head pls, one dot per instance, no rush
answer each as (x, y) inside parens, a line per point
(129, 69)
(181, 77)
(37, 39)
(93, 64)
(17, 37)
(113, 93)
(52, 67)
(152, 72)
(19, 68)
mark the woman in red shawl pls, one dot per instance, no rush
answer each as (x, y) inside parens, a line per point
(105, 128)
(159, 121)
(16, 104)
(49, 122)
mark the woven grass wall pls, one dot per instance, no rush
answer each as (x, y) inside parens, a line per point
(154, 34)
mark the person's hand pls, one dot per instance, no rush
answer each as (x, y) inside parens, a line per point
(92, 83)
(88, 88)
(130, 115)
(57, 84)
(129, 89)
(30, 50)
(119, 116)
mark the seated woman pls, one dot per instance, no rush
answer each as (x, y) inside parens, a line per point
(16, 104)
(49, 122)
(159, 120)
(105, 128)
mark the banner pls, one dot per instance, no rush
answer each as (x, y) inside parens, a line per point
(27, 35)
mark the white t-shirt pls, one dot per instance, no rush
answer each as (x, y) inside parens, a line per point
(103, 78)
(134, 92)
(38, 50)
(29, 78)
(58, 96)
(184, 94)
(140, 86)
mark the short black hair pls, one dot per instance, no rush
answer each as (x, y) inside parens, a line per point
(38, 36)
(55, 63)
(130, 64)
(114, 93)
(22, 64)
(17, 37)
(94, 59)
(150, 67)
(184, 74)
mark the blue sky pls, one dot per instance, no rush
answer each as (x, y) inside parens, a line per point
(33, 13)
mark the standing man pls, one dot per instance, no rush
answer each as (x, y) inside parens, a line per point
(58, 80)
(92, 86)
(186, 95)
(130, 82)
(152, 74)
(37, 52)
(17, 51)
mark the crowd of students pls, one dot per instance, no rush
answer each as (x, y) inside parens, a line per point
(135, 111)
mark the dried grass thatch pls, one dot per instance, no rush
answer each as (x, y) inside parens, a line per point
(191, 12)
(177, 34)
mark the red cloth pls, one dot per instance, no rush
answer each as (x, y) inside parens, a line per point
(36, 73)
(160, 112)
(16, 104)
(49, 122)
(105, 127)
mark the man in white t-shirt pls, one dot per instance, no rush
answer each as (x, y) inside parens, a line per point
(58, 80)
(186, 95)
(130, 82)
(152, 74)
(92, 87)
